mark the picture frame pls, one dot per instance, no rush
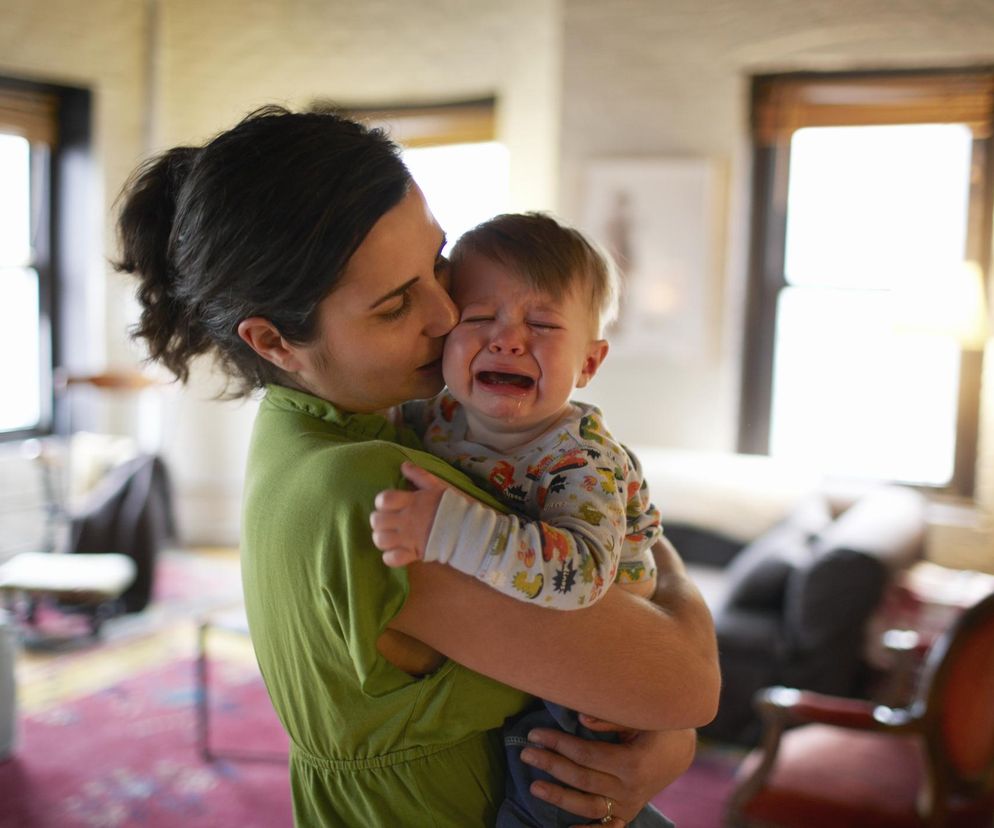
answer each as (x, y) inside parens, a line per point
(656, 217)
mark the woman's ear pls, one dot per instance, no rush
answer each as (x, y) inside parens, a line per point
(262, 337)
(596, 351)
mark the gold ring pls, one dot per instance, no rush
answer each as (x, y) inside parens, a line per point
(609, 816)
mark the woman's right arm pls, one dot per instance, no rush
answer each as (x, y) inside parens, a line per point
(649, 666)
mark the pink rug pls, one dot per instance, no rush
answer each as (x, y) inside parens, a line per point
(127, 756)
(698, 798)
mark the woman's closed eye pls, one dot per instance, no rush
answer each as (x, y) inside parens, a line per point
(403, 306)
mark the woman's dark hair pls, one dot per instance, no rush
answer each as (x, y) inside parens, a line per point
(261, 221)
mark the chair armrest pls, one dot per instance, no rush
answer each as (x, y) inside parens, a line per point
(786, 705)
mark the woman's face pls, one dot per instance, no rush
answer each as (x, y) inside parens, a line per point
(381, 330)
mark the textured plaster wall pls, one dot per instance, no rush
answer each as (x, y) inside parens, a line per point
(646, 79)
(174, 71)
(576, 80)
(217, 60)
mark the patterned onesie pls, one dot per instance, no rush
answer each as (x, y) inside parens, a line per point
(587, 520)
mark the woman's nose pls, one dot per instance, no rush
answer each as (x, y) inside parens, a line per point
(443, 317)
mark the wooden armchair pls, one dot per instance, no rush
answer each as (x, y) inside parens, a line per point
(852, 763)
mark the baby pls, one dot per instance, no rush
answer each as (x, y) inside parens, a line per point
(534, 297)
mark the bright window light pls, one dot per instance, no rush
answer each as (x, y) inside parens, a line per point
(15, 200)
(20, 358)
(463, 183)
(871, 212)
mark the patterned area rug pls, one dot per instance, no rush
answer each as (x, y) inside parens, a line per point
(128, 755)
(108, 738)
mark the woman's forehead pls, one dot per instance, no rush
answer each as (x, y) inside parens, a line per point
(399, 247)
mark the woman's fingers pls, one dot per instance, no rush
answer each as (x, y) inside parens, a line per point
(591, 772)
(590, 806)
(584, 791)
(625, 734)
(583, 753)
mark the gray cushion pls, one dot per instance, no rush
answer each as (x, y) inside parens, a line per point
(757, 578)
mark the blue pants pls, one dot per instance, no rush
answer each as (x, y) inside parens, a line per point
(522, 810)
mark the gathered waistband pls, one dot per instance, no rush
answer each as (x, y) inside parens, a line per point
(384, 760)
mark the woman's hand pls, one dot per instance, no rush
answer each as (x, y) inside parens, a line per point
(627, 774)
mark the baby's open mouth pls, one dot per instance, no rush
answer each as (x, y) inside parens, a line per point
(501, 378)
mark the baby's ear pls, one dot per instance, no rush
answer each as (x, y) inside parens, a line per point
(596, 351)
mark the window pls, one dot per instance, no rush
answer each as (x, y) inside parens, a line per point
(871, 194)
(452, 153)
(27, 134)
(48, 243)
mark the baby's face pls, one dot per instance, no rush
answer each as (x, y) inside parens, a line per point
(516, 355)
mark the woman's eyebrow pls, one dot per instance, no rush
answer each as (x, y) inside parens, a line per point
(394, 292)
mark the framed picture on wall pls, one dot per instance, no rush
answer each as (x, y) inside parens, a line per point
(656, 216)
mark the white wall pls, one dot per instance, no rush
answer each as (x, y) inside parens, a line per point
(644, 79)
(650, 79)
(178, 71)
(576, 80)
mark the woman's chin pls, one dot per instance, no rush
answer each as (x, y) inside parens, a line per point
(429, 383)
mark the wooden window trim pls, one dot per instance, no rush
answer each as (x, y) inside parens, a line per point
(433, 124)
(784, 104)
(30, 114)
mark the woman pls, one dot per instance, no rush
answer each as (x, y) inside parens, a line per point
(296, 249)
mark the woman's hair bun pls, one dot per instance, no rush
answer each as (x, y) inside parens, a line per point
(145, 229)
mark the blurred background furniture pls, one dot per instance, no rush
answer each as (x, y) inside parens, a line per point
(232, 621)
(8, 693)
(853, 763)
(108, 513)
(793, 568)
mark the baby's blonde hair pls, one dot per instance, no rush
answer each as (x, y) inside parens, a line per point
(549, 256)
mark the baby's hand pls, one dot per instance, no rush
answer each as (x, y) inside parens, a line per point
(402, 520)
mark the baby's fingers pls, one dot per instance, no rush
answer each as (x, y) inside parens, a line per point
(399, 557)
(421, 478)
(393, 500)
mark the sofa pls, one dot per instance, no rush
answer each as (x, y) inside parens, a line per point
(795, 567)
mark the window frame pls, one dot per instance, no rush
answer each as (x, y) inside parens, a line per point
(783, 103)
(58, 119)
(415, 125)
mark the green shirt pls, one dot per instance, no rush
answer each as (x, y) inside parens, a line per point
(370, 744)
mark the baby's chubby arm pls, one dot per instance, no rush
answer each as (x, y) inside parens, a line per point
(565, 560)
